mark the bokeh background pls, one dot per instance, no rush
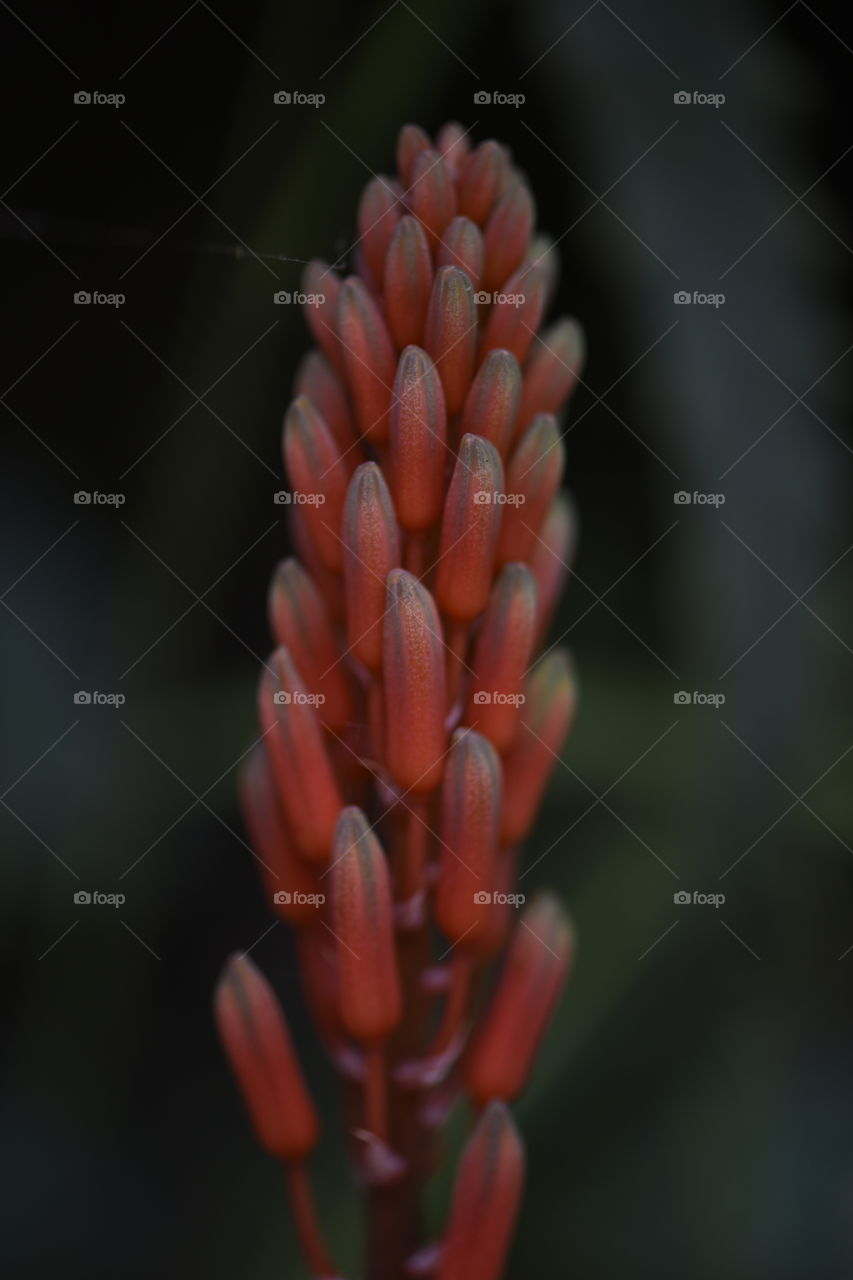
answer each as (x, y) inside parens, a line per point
(692, 1112)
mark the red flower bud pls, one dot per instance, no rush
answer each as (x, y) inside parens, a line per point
(512, 324)
(256, 1040)
(551, 370)
(379, 211)
(550, 559)
(481, 180)
(288, 879)
(408, 282)
(368, 356)
(432, 194)
(469, 530)
(548, 714)
(301, 622)
(363, 924)
(452, 142)
(486, 1197)
(317, 470)
(502, 655)
(532, 479)
(462, 246)
(508, 235)
(470, 828)
(451, 334)
(321, 281)
(293, 736)
(318, 382)
(502, 1054)
(371, 550)
(492, 403)
(410, 143)
(418, 445)
(415, 691)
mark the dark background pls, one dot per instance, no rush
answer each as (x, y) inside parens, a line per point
(692, 1112)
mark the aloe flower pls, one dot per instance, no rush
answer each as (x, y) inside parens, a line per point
(407, 730)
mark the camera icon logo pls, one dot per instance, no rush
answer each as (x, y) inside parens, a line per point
(82, 298)
(82, 698)
(82, 898)
(282, 298)
(82, 498)
(482, 497)
(282, 698)
(482, 897)
(481, 698)
(681, 298)
(682, 698)
(681, 898)
(282, 98)
(282, 498)
(681, 99)
(482, 98)
(283, 896)
(681, 498)
(82, 98)
(482, 297)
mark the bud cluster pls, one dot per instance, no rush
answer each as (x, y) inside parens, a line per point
(408, 731)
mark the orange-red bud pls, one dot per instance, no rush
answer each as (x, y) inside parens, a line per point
(319, 280)
(469, 530)
(418, 443)
(481, 178)
(552, 369)
(319, 472)
(301, 622)
(293, 736)
(451, 334)
(289, 880)
(502, 655)
(371, 550)
(432, 194)
(452, 142)
(513, 324)
(411, 142)
(547, 717)
(254, 1035)
(551, 558)
(502, 1054)
(362, 921)
(532, 479)
(492, 403)
(462, 246)
(415, 690)
(486, 1198)
(470, 829)
(379, 211)
(508, 234)
(408, 282)
(368, 356)
(317, 380)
